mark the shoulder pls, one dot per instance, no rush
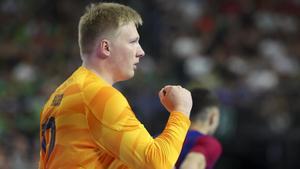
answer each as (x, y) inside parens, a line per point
(206, 140)
(96, 89)
(209, 146)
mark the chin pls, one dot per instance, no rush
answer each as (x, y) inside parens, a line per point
(131, 75)
(128, 76)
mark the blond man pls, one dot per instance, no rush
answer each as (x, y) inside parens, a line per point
(87, 123)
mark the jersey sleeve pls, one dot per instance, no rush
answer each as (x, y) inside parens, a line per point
(210, 148)
(116, 129)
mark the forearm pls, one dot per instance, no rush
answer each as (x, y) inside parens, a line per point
(165, 149)
(136, 148)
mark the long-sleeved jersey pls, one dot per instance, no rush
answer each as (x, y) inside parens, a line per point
(87, 123)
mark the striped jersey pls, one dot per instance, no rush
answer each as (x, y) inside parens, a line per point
(198, 142)
(88, 124)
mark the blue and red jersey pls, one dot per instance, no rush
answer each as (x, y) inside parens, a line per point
(197, 142)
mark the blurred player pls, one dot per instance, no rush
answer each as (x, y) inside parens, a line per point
(87, 123)
(200, 149)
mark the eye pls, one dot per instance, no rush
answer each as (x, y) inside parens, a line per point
(136, 40)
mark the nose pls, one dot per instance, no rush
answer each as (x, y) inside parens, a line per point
(140, 52)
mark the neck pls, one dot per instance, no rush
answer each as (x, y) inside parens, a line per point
(100, 71)
(201, 127)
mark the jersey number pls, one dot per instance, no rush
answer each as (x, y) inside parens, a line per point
(48, 126)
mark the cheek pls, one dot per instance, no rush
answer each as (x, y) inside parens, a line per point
(129, 53)
(126, 54)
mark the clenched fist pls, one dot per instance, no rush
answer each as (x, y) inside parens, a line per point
(176, 98)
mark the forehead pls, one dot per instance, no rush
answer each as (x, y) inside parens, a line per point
(127, 30)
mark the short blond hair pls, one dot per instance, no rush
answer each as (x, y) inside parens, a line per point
(103, 17)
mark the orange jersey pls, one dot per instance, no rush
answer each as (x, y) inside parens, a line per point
(87, 123)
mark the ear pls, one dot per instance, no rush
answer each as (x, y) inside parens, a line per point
(103, 49)
(211, 118)
(213, 115)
